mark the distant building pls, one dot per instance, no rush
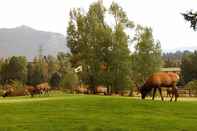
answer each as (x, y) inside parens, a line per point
(171, 69)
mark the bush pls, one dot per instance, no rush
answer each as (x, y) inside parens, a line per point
(55, 80)
(192, 85)
(69, 80)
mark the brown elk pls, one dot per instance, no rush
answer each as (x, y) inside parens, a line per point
(14, 92)
(101, 89)
(31, 90)
(158, 81)
(8, 91)
(44, 88)
(82, 90)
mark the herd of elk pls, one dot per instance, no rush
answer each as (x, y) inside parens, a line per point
(84, 89)
(158, 81)
(27, 90)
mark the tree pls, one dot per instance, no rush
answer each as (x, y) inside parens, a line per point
(65, 77)
(69, 80)
(188, 66)
(172, 59)
(191, 17)
(4, 72)
(55, 80)
(146, 58)
(192, 85)
(52, 65)
(94, 45)
(37, 72)
(120, 63)
(63, 62)
(17, 69)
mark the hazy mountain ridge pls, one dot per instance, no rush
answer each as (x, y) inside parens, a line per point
(26, 41)
(182, 49)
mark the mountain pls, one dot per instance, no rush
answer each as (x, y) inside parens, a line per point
(26, 41)
(186, 48)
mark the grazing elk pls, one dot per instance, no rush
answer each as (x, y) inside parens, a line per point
(158, 81)
(31, 90)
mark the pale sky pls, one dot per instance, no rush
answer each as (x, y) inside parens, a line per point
(163, 16)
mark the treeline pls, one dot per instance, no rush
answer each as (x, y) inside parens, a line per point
(55, 70)
(186, 60)
(172, 59)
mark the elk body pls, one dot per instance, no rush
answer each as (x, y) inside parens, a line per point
(101, 89)
(160, 80)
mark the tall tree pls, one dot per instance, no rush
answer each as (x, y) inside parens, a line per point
(17, 68)
(4, 72)
(120, 54)
(101, 49)
(188, 66)
(146, 58)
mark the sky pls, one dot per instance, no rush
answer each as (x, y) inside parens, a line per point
(163, 16)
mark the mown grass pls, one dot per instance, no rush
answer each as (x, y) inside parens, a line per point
(97, 113)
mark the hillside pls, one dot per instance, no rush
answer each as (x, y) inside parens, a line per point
(26, 41)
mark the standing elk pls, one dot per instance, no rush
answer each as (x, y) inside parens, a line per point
(80, 89)
(160, 80)
(101, 89)
(44, 88)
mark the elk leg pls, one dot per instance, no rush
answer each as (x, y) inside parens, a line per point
(160, 92)
(172, 97)
(176, 94)
(172, 94)
(154, 91)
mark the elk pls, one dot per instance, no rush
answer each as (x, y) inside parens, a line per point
(81, 89)
(31, 90)
(160, 80)
(101, 89)
(44, 88)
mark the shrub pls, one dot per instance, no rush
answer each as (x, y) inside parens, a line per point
(69, 80)
(192, 85)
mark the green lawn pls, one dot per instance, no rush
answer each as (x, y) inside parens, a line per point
(97, 113)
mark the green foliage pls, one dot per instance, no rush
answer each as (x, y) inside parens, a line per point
(93, 43)
(4, 72)
(192, 85)
(69, 80)
(17, 68)
(14, 68)
(64, 65)
(147, 56)
(52, 65)
(188, 66)
(36, 73)
(55, 80)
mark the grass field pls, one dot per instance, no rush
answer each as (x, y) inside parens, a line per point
(97, 113)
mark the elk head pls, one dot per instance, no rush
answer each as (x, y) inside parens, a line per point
(144, 90)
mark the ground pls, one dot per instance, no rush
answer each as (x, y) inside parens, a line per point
(95, 113)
